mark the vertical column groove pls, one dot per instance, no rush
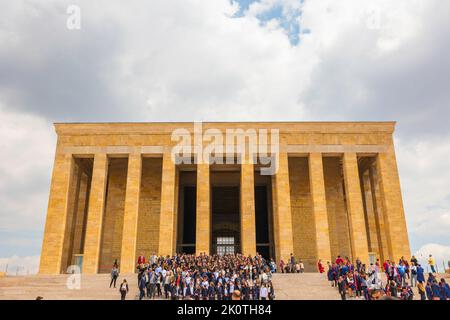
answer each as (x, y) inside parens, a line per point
(203, 218)
(95, 215)
(167, 215)
(248, 223)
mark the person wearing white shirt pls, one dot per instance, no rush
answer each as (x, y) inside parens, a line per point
(263, 292)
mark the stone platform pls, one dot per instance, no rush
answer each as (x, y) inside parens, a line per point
(307, 286)
(96, 287)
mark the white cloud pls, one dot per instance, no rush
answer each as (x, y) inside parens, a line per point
(440, 253)
(189, 60)
(17, 265)
(27, 144)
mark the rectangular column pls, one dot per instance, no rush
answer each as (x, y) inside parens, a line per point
(394, 215)
(167, 214)
(203, 218)
(284, 244)
(95, 214)
(55, 225)
(379, 212)
(319, 202)
(358, 235)
(248, 223)
(371, 217)
(130, 220)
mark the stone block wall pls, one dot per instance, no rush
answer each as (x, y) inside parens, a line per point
(303, 225)
(149, 207)
(336, 207)
(111, 244)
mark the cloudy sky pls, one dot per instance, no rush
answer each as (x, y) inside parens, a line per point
(194, 60)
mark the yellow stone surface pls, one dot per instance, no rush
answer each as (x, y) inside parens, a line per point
(51, 254)
(248, 228)
(167, 216)
(284, 245)
(320, 207)
(95, 215)
(130, 221)
(203, 220)
(115, 194)
(358, 233)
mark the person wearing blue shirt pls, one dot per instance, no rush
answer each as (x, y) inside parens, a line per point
(436, 290)
(420, 274)
(429, 291)
(142, 286)
(445, 290)
(402, 273)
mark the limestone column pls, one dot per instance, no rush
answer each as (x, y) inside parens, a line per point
(167, 213)
(379, 212)
(394, 215)
(203, 210)
(371, 217)
(358, 235)
(319, 202)
(130, 220)
(248, 223)
(52, 247)
(95, 214)
(284, 244)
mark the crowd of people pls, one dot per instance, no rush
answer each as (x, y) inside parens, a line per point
(356, 281)
(203, 277)
(239, 277)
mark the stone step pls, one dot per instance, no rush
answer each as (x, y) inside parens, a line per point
(310, 286)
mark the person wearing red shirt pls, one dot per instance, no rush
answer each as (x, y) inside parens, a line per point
(320, 266)
(339, 260)
(141, 260)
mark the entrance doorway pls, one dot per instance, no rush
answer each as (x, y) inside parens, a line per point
(226, 232)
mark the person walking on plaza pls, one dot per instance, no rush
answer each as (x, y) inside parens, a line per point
(413, 275)
(320, 266)
(432, 263)
(420, 274)
(292, 263)
(114, 276)
(342, 287)
(142, 286)
(282, 265)
(123, 289)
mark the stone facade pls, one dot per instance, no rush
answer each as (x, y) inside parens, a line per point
(115, 194)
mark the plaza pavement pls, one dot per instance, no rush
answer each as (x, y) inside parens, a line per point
(307, 286)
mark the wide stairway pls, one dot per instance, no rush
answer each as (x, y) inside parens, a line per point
(94, 287)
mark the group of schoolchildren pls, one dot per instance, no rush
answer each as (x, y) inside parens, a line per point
(355, 281)
(205, 277)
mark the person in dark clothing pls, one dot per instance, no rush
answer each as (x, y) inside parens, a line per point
(435, 288)
(123, 289)
(428, 291)
(142, 286)
(114, 276)
(219, 291)
(342, 286)
(211, 291)
(445, 288)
